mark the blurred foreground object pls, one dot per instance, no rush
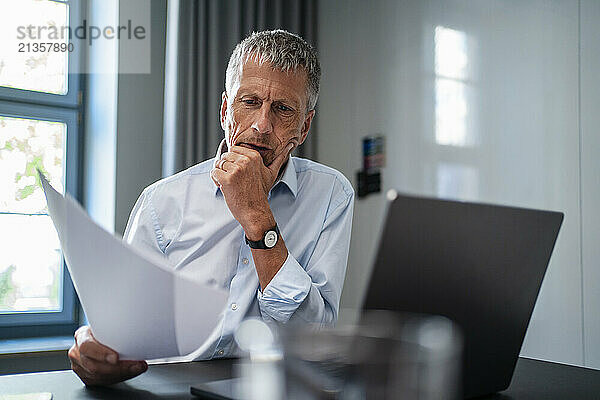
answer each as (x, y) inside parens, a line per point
(385, 356)
(261, 373)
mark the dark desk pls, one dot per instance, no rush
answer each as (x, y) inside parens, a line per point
(532, 380)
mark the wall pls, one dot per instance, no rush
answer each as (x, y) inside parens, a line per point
(140, 118)
(503, 128)
(101, 119)
(124, 117)
(590, 177)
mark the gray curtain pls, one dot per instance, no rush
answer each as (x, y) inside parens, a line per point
(201, 35)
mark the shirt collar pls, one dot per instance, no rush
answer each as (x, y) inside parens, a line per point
(288, 177)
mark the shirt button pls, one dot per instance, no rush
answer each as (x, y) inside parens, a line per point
(234, 306)
(221, 352)
(245, 260)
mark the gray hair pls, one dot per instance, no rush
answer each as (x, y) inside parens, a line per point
(284, 51)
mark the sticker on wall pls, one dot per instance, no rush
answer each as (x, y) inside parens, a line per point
(369, 178)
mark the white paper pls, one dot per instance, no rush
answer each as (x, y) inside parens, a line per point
(135, 303)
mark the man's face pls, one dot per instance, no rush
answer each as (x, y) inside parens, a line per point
(266, 110)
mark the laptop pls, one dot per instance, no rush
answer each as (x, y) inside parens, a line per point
(480, 265)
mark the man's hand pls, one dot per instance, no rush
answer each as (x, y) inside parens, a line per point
(96, 364)
(245, 182)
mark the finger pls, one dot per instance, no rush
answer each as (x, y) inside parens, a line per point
(245, 151)
(126, 370)
(230, 158)
(91, 348)
(99, 368)
(107, 374)
(74, 355)
(83, 374)
(218, 176)
(76, 366)
(281, 158)
(228, 166)
(212, 172)
(130, 369)
(79, 370)
(214, 180)
(123, 370)
(234, 157)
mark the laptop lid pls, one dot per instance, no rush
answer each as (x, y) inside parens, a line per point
(480, 265)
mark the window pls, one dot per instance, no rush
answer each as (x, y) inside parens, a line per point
(452, 89)
(455, 116)
(40, 108)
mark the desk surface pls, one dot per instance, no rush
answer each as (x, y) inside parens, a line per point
(532, 380)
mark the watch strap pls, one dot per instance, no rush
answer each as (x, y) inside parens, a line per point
(260, 244)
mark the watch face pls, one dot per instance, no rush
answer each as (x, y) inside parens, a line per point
(270, 239)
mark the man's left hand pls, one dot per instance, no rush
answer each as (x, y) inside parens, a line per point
(245, 182)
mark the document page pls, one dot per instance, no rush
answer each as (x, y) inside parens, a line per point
(131, 299)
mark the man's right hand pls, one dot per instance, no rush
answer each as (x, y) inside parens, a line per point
(96, 364)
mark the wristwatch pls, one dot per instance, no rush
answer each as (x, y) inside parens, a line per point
(268, 241)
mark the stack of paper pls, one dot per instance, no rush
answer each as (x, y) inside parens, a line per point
(135, 303)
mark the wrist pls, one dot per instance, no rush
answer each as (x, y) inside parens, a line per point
(258, 225)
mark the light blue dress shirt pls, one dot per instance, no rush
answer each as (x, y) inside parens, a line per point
(184, 219)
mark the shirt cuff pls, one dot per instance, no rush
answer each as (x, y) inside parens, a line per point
(286, 291)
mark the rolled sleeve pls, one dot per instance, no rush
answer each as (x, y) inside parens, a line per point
(311, 293)
(286, 291)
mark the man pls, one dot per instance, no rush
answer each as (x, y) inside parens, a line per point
(272, 229)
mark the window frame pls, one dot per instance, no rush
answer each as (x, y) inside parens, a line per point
(67, 109)
(71, 99)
